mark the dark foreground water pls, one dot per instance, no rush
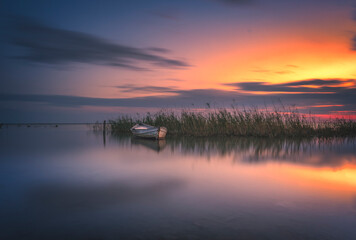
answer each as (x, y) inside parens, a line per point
(72, 183)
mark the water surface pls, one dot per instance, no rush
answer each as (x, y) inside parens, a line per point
(72, 183)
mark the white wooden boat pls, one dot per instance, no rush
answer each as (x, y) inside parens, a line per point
(148, 131)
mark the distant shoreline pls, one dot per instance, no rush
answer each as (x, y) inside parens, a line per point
(4, 124)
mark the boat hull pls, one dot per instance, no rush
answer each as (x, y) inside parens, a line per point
(150, 132)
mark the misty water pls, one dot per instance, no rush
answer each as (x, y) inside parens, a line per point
(70, 182)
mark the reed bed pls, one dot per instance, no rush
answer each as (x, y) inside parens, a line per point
(247, 123)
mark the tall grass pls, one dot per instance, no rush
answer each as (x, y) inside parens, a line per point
(251, 122)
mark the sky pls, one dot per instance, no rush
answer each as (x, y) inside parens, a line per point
(86, 61)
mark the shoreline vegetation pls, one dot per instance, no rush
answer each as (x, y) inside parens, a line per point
(242, 123)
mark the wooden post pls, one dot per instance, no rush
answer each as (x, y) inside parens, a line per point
(104, 133)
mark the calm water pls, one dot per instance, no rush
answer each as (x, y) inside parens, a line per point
(72, 183)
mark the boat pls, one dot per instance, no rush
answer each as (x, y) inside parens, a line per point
(147, 131)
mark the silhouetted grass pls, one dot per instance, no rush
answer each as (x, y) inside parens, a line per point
(252, 122)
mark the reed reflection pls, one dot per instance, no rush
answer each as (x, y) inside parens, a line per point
(315, 152)
(155, 145)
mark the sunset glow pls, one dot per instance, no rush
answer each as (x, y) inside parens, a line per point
(178, 119)
(167, 58)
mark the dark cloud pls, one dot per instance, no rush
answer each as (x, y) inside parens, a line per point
(305, 86)
(199, 97)
(341, 99)
(353, 40)
(159, 50)
(182, 98)
(354, 14)
(46, 44)
(317, 82)
(354, 43)
(155, 89)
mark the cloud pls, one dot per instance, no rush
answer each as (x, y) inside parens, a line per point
(182, 98)
(354, 43)
(259, 70)
(50, 45)
(354, 14)
(198, 97)
(284, 72)
(318, 82)
(292, 66)
(342, 99)
(154, 89)
(353, 40)
(159, 50)
(174, 79)
(305, 86)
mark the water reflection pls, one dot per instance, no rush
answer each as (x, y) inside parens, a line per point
(314, 152)
(69, 197)
(73, 183)
(155, 145)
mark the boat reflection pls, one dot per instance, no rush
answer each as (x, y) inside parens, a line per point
(155, 145)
